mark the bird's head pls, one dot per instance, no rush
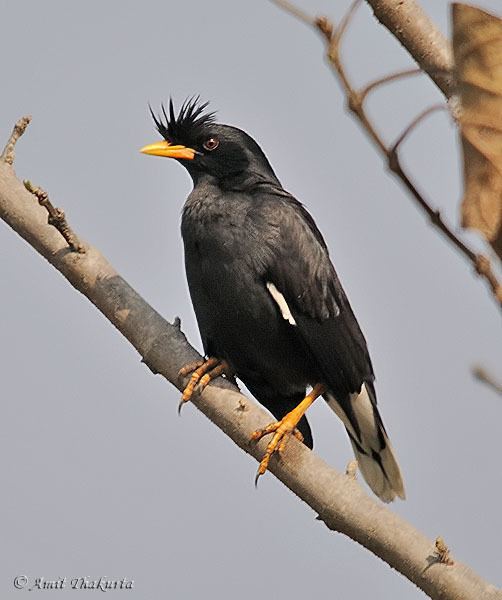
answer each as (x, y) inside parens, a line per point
(205, 147)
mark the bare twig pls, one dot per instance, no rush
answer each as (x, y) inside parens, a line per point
(19, 128)
(408, 22)
(295, 11)
(483, 375)
(339, 501)
(355, 101)
(56, 217)
(387, 79)
(416, 121)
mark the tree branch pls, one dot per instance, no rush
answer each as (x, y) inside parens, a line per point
(339, 501)
(408, 22)
(356, 104)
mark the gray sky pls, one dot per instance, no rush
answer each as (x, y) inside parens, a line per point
(100, 476)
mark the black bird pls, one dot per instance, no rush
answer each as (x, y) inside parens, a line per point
(270, 307)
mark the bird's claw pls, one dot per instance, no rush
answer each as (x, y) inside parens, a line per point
(190, 367)
(282, 430)
(202, 373)
(285, 428)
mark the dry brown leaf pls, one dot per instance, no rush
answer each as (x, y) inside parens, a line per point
(477, 48)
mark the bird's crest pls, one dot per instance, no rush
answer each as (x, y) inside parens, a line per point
(188, 126)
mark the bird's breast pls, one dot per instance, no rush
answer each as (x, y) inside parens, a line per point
(223, 228)
(225, 257)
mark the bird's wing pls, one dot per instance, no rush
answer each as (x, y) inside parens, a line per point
(307, 291)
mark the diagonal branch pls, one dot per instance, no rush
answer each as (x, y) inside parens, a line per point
(336, 498)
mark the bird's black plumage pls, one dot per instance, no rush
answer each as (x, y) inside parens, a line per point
(265, 293)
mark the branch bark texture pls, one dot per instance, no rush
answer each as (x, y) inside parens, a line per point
(338, 500)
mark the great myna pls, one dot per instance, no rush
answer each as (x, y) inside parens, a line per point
(270, 307)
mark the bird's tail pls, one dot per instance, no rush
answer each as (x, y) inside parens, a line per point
(372, 448)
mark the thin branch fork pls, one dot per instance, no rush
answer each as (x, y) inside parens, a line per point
(356, 104)
(337, 498)
(7, 155)
(56, 218)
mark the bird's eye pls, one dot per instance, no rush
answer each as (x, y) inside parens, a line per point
(211, 143)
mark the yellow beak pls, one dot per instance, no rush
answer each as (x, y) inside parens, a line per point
(164, 148)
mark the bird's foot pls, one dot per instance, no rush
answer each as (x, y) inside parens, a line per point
(203, 372)
(284, 428)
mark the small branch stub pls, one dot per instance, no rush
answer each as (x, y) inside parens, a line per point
(483, 268)
(8, 155)
(443, 552)
(351, 469)
(482, 375)
(56, 217)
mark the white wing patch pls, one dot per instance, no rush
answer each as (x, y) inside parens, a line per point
(281, 303)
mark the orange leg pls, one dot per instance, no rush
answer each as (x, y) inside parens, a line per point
(284, 428)
(203, 371)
